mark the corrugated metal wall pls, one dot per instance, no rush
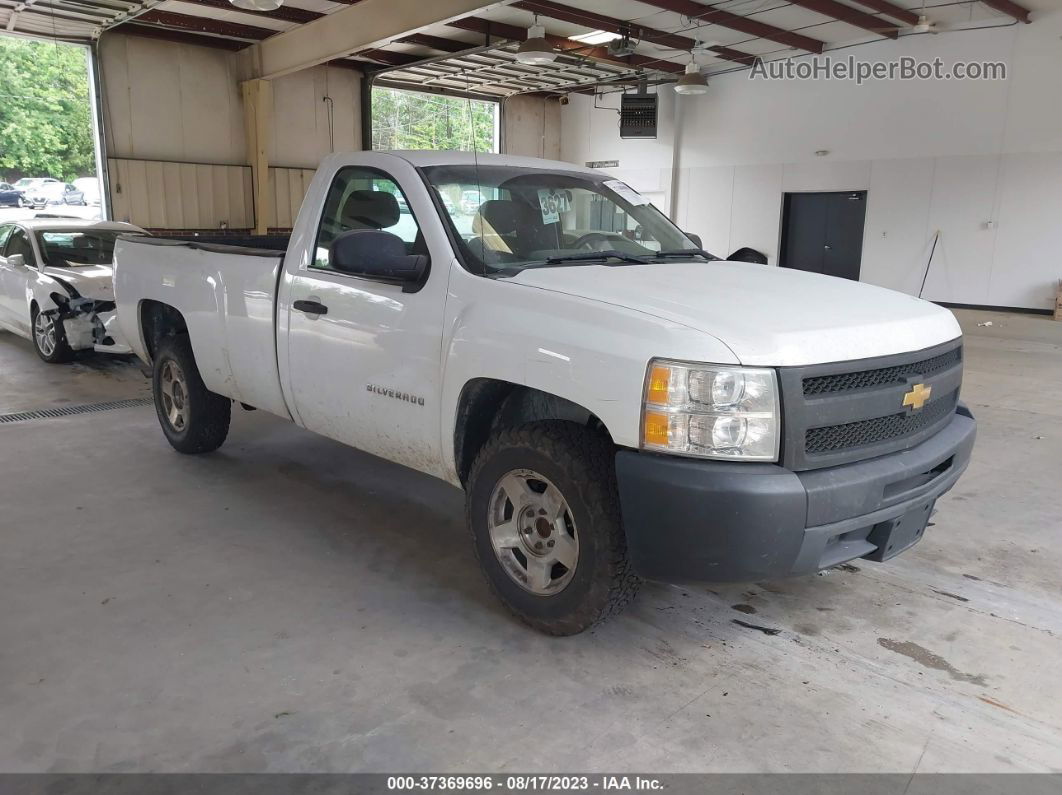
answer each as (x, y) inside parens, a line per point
(157, 194)
(289, 186)
(163, 195)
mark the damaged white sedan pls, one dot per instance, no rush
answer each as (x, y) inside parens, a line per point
(56, 285)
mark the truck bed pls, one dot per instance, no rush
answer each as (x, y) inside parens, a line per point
(226, 295)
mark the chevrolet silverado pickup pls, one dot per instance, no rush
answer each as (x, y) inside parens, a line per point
(616, 403)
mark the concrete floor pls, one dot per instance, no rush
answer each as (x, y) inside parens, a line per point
(289, 604)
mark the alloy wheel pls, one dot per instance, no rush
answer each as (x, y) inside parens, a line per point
(44, 332)
(533, 533)
(174, 390)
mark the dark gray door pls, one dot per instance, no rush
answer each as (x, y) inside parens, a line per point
(823, 232)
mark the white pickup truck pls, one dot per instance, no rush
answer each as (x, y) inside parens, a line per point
(616, 403)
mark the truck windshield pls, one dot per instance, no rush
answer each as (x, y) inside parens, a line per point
(508, 218)
(63, 248)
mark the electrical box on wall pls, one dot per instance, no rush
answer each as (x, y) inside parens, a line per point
(638, 115)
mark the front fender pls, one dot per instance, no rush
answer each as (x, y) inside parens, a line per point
(592, 354)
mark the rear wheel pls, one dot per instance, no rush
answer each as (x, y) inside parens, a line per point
(49, 338)
(194, 419)
(544, 513)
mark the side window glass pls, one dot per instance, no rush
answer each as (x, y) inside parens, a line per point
(365, 198)
(18, 243)
(5, 233)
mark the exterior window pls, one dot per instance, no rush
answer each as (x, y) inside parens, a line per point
(365, 198)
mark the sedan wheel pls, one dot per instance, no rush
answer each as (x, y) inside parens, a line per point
(44, 333)
(49, 339)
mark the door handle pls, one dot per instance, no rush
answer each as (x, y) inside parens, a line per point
(310, 307)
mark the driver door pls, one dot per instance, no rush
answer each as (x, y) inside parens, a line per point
(363, 356)
(14, 278)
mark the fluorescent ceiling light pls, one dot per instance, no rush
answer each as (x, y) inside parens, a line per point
(596, 37)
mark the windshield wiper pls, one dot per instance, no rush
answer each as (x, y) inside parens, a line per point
(686, 252)
(595, 256)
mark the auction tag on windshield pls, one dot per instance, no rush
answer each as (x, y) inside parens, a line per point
(626, 192)
(552, 203)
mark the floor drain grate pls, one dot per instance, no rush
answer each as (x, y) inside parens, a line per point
(69, 411)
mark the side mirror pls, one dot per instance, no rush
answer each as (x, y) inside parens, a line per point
(16, 261)
(376, 254)
(695, 238)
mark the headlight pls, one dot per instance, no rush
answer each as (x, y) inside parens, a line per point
(711, 411)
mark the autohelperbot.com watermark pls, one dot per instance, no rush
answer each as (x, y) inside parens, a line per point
(827, 67)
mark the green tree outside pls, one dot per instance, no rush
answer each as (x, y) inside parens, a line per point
(409, 120)
(45, 121)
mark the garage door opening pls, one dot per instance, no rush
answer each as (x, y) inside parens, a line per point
(415, 120)
(49, 153)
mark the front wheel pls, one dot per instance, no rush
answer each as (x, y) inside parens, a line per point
(194, 419)
(49, 337)
(543, 509)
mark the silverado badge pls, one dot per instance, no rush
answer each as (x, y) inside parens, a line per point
(918, 396)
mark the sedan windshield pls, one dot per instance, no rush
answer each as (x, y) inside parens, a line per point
(63, 248)
(512, 218)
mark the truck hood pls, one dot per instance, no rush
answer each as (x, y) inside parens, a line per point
(767, 316)
(90, 281)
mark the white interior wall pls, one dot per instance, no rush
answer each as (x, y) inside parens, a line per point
(979, 161)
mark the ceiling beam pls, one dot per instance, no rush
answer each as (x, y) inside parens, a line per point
(1010, 8)
(367, 25)
(905, 15)
(852, 16)
(218, 27)
(568, 46)
(746, 25)
(591, 21)
(286, 13)
(179, 37)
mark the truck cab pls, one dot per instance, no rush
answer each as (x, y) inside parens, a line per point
(616, 403)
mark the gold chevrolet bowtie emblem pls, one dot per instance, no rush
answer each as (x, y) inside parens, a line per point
(918, 396)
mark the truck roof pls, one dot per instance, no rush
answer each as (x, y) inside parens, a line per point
(434, 158)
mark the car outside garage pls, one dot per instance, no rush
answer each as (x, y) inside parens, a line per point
(685, 405)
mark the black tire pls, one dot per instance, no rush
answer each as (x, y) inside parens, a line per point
(204, 417)
(580, 464)
(61, 351)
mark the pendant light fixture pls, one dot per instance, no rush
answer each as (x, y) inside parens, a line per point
(257, 5)
(535, 50)
(692, 81)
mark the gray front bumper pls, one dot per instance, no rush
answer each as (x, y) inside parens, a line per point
(691, 520)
